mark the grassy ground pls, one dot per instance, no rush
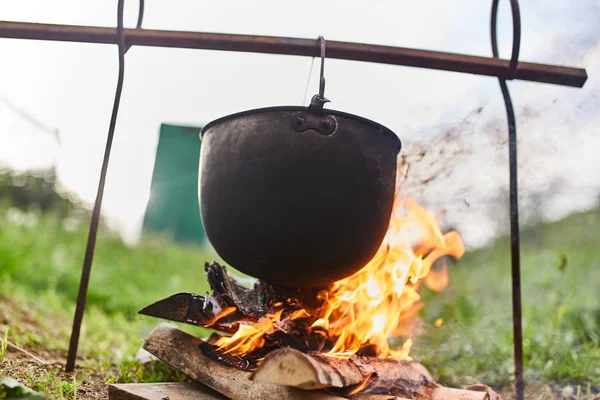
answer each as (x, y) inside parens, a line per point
(561, 310)
(39, 272)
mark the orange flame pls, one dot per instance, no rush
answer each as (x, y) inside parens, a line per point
(380, 300)
(248, 337)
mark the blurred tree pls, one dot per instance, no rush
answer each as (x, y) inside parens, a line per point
(37, 191)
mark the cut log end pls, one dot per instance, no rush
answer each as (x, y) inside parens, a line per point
(289, 367)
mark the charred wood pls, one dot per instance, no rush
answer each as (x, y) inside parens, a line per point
(292, 354)
(181, 351)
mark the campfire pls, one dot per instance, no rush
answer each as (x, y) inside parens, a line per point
(330, 343)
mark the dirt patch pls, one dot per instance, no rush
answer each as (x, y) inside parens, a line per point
(51, 378)
(13, 312)
(27, 339)
(32, 361)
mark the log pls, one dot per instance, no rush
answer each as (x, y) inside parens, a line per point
(360, 377)
(363, 396)
(181, 351)
(161, 391)
(431, 391)
(290, 367)
(443, 393)
(434, 391)
(293, 368)
(485, 388)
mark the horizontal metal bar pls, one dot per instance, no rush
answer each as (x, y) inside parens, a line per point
(558, 75)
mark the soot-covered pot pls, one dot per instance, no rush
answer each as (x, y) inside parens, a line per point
(297, 196)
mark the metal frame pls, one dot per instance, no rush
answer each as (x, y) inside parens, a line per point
(559, 75)
(504, 70)
(515, 251)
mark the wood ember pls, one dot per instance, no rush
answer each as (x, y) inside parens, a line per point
(259, 300)
(265, 299)
(243, 364)
(231, 303)
(249, 302)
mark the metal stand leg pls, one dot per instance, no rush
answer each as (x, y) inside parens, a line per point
(91, 242)
(514, 192)
(515, 248)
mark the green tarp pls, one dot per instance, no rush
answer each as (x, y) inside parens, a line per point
(173, 208)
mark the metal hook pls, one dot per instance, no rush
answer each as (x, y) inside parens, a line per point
(318, 100)
(516, 17)
(139, 20)
(322, 80)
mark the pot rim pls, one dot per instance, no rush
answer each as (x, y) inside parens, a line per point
(295, 108)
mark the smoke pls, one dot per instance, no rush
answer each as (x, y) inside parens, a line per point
(461, 169)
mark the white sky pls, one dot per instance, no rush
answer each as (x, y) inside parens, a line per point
(71, 87)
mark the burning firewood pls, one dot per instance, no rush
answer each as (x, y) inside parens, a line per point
(271, 345)
(291, 367)
(372, 377)
(181, 351)
(332, 340)
(356, 315)
(230, 303)
(286, 374)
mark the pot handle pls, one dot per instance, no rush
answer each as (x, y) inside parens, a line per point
(320, 122)
(314, 118)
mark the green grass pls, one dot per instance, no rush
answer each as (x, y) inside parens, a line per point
(4, 345)
(47, 257)
(40, 267)
(561, 310)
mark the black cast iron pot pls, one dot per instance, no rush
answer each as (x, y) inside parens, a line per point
(297, 196)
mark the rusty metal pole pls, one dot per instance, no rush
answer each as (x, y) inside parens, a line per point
(514, 191)
(558, 75)
(91, 241)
